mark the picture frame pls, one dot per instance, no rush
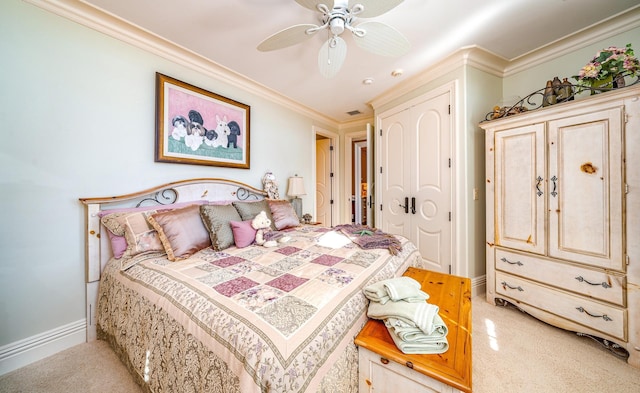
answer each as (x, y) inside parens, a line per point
(196, 126)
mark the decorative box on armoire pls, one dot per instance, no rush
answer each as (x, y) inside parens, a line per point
(563, 216)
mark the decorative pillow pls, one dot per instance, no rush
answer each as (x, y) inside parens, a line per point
(284, 216)
(114, 221)
(243, 233)
(141, 236)
(216, 218)
(248, 210)
(181, 231)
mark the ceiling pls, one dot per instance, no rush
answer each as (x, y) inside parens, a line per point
(228, 32)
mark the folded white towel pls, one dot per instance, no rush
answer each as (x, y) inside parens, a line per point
(411, 333)
(438, 345)
(400, 288)
(421, 315)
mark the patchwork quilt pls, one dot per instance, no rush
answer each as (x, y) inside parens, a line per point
(252, 319)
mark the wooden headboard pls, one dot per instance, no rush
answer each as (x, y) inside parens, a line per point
(97, 247)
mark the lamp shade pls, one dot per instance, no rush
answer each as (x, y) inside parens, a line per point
(296, 187)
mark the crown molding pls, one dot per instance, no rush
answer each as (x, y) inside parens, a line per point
(474, 55)
(106, 23)
(360, 122)
(610, 27)
(493, 64)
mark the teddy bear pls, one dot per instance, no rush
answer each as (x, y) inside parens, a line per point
(261, 223)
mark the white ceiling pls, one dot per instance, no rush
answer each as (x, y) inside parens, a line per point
(228, 31)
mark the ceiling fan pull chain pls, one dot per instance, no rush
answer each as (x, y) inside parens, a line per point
(329, 46)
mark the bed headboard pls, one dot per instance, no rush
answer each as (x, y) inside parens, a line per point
(97, 247)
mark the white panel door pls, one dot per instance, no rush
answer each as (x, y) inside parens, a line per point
(431, 182)
(396, 179)
(585, 174)
(520, 188)
(323, 182)
(415, 149)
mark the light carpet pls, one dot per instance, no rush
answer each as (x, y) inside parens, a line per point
(512, 352)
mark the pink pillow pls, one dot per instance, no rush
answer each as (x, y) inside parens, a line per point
(118, 244)
(284, 216)
(243, 233)
(181, 231)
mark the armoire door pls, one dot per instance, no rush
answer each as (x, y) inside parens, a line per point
(585, 181)
(416, 187)
(520, 190)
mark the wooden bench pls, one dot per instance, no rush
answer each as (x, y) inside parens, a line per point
(384, 368)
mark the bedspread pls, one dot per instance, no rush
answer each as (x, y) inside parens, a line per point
(249, 319)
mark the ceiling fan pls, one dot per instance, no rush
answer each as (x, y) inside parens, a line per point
(375, 37)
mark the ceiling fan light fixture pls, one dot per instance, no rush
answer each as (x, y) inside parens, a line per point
(336, 25)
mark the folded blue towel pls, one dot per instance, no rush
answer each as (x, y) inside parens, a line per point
(400, 288)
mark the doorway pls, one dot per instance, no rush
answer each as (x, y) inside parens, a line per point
(360, 183)
(359, 179)
(326, 176)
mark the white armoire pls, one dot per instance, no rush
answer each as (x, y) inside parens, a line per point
(563, 216)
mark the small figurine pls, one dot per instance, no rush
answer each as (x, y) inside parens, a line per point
(270, 185)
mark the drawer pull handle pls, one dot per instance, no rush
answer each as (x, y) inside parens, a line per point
(511, 263)
(539, 179)
(604, 284)
(604, 316)
(505, 286)
(554, 179)
(410, 365)
(384, 361)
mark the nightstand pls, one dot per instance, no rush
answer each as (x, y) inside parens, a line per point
(385, 369)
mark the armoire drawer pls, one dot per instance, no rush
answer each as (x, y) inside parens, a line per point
(608, 319)
(596, 284)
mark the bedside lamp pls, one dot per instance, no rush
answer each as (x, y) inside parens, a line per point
(295, 188)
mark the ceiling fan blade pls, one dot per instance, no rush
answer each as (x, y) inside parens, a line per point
(331, 56)
(373, 7)
(382, 39)
(313, 4)
(287, 37)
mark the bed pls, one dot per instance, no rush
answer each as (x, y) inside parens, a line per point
(232, 319)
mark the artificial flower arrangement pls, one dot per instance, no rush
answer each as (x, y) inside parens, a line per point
(608, 65)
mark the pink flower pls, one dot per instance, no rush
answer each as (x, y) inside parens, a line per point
(612, 61)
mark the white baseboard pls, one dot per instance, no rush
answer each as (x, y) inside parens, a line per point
(478, 286)
(31, 349)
